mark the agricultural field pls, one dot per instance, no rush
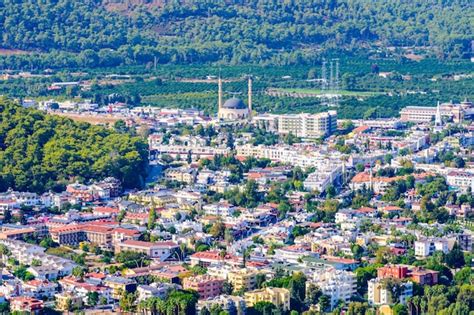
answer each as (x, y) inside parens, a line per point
(318, 92)
(363, 90)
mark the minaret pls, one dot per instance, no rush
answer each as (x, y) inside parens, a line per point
(438, 120)
(219, 100)
(250, 97)
(370, 178)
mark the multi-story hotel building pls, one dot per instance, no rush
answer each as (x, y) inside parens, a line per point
(460, 180)
(301, 125)
(103, 236)
(419, 114)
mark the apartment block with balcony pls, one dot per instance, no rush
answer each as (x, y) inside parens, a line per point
(427, 247)
(308, 125)
(280, 297)
(207, 286)
(339, 285)
(380, 291)
(243, 279)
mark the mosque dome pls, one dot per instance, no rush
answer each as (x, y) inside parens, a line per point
(234, 103)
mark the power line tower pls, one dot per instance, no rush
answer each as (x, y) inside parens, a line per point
(324, 76)
(335, 89)
(331, 76)
(324, 83)
(330, 87)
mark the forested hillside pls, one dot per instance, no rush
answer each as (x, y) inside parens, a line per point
(39, 152)
(237, 31)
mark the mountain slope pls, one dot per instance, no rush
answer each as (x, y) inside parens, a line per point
(235, 30)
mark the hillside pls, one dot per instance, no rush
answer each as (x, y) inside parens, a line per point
(39, 152)
(237, 31)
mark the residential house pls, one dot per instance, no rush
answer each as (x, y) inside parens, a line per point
(26, 304)
(159, 250)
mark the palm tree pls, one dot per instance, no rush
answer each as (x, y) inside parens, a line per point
(246, 255)
(182, 248)
(5, 252)
(222, 254)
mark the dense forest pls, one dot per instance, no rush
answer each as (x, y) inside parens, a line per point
(39, 152)
(89, 34)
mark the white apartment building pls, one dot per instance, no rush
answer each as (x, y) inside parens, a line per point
(418, 114)
(426, 247)
(390, 123)
(303, 157)
(302, 125)
(379, 293)
(337, 284)
(414, 142)
(196, 152)
(155, 289)
(308, 125)
(52, 266)
(322, 178)
(219, 209)
(344, 215)
(230, 303)
(461, 180)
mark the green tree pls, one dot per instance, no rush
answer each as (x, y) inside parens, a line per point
(127, 301)
(7, 216)
(400, 309)
(464, 276)
(78, 272)
(455, 257)
(132, 259)
(313, 293)
(47, 242)
(151, 218)
(324, 302)
(92, 298)
(262, 308)
(297, 287)
(357, 308)
(204, 311)
(217, 230)
(363, 275)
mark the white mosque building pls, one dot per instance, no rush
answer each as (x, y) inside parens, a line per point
(234, 108)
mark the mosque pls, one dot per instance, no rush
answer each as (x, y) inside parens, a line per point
(234, 108)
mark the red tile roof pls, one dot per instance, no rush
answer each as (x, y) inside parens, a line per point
(366, 210)
(149, 244)
(361, 129)
(211, 255)
(106, 210)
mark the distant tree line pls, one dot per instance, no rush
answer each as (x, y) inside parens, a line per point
(86, 34)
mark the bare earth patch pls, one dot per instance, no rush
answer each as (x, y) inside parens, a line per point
(10, 52)
(92, 119)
